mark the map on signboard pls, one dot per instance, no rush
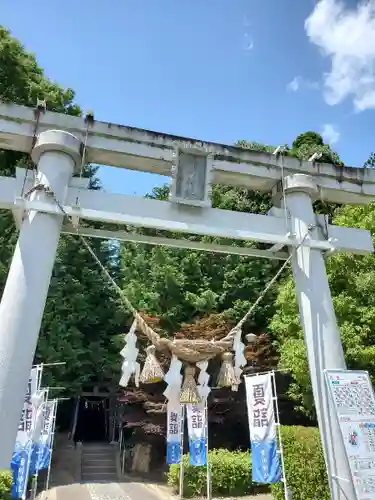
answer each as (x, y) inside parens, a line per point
(354, 402)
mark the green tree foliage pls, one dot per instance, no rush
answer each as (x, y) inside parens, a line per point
(81, 315)
(308, 143)
(5, 485)
(304, 465)
(178, 285)
(231, 475)
(370, 162)
(352, 282)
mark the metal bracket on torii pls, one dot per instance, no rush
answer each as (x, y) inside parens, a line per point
(164, 215)
(194, 166)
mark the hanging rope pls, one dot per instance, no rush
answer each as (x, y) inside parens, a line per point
(283, 190)
(190, 350)
(40, 107)
(89, 120)
(270, 283)
(151, 334)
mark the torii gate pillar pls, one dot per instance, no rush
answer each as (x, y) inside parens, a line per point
(318, 320)
(21, 309)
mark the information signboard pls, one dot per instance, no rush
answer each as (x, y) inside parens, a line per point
(354, 402)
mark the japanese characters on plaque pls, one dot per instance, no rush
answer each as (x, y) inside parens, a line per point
(354, 404)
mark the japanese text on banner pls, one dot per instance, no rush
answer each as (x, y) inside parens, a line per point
(42, 448)
(22, 454)
(174, 416)
(197, 430)
(265, 458)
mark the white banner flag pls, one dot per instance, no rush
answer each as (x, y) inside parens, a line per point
(42, 445)
(197, 429)
(265, 458)
(174, 421)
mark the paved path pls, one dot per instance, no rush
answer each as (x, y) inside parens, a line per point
(121, 491)
(109, 491)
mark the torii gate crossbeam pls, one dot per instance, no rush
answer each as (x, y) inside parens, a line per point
(57, 154)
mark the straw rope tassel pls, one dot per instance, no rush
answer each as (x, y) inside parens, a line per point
(189, 391)
(227, 377)
(152, 371)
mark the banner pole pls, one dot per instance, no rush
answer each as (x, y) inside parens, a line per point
(35, 411)
(120, 439)
(209, 492)
(41, 367)
(181, 485)
(35, 478)
(40, 375)
(52, 441)
(281, 449)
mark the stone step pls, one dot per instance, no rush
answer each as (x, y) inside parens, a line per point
(98, 461)
(95, 478)
(100, 446)
(98, 450)
(98, 469)
(95, 451)
(98, 456)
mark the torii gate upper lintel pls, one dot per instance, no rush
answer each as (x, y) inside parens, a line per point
(57, 153)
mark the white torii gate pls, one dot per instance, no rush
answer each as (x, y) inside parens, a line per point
(193, 165)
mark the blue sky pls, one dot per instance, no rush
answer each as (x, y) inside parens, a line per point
(218, 70)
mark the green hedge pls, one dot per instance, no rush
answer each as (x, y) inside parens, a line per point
(231, 470)
(5, 485)
(304, 465)
(231, 475)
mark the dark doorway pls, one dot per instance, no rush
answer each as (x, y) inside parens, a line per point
(91, 421)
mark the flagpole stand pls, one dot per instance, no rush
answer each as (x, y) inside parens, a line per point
(182, 470)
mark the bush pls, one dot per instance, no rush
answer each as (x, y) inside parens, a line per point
(5, 485)
(231, 475)
(304, 465)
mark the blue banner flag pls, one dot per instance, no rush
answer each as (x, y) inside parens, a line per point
(42, 442)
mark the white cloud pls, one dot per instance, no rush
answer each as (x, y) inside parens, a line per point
(294, 84)
(347, 37)
(330, 134)
(299, 82)
(248, 42)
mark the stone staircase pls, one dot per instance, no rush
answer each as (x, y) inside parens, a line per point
(99, 463)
